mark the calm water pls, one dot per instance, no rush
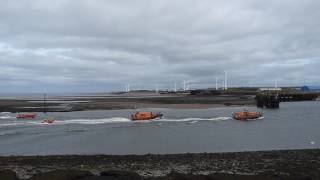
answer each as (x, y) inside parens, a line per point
(293, 126)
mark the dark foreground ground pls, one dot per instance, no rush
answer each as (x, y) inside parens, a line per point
(292, 164)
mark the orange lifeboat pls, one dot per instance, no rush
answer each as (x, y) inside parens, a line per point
(142, 116)
(26, 116)
(48, 121)
(247, 115)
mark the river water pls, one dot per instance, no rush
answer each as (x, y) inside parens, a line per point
(295, 125)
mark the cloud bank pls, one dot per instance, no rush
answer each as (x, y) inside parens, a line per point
(93, 45)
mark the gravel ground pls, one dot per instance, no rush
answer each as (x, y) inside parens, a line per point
(286, 163)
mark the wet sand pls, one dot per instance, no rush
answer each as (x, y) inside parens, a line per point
(286, 164)
(82, 103)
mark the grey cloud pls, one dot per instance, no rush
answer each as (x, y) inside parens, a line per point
(102, 45)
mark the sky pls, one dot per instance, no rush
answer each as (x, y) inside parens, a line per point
(102, 45)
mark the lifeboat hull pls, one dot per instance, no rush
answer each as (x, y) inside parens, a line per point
(246, 115)
(26, 116)
(48, 121)
(145, 116)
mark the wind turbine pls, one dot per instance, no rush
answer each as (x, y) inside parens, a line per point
(186, 85)
(127, 87)
(217, 83)
(225, 80)
(157, 88)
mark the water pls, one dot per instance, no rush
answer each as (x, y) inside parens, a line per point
(293, 126)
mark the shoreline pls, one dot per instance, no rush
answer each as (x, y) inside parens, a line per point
(280, 163)
(67, 104)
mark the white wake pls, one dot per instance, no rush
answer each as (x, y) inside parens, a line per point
(104, 121)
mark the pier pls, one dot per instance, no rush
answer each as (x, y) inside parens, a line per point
(268, 100)
(273, 99)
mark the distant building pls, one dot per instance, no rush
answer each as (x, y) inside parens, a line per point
(304, 88)
(270, 89)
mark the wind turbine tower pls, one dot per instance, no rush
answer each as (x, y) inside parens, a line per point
(225, 80)
(157, 88)
(188, 87)
(216, 83)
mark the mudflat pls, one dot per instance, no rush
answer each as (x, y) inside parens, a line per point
(101, 102)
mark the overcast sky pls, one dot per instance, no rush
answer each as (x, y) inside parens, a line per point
(101, 45)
